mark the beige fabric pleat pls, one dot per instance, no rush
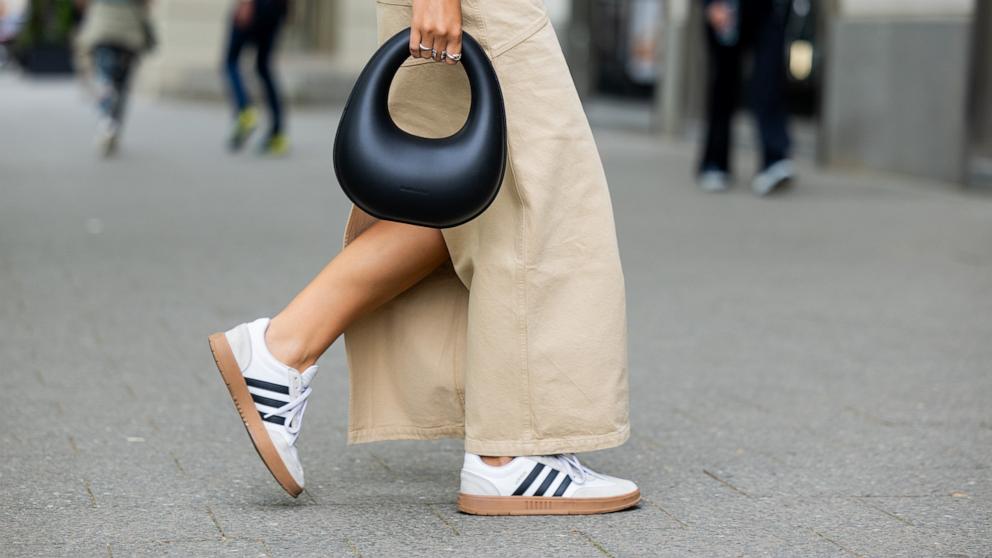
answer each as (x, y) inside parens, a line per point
(519, 344)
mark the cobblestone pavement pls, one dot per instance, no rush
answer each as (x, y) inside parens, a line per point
(811, 374)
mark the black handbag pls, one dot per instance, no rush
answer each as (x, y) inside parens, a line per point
(396, 176)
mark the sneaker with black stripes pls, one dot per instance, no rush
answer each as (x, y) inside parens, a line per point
(541, 485)
(270, 397)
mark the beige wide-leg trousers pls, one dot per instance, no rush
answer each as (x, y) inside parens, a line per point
(519, 345)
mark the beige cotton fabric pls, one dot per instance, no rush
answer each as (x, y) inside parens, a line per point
(519, 345)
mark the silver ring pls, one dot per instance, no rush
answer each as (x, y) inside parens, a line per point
(433, 53)
(456, 56)
(422, 47)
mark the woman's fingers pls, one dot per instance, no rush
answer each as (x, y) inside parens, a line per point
(440, 43)
(454, 47)
(426, 40)
(436, 25)
(415, 42)
(447, 43)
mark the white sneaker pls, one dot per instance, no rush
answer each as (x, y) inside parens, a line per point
(713, 181)
(108, 132)
(773, 176)
(270, 397)
(541, 485)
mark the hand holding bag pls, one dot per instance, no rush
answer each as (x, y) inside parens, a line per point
(396, 176)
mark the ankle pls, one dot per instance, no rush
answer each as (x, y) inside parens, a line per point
(288, 349)
(495, 461)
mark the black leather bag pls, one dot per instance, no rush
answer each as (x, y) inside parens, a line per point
(393, 175)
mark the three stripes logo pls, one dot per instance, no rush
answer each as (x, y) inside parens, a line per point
(264, 401)
(546, 484)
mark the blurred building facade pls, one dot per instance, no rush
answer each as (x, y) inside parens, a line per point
(896, 85)
(324, 46)
(893, 85)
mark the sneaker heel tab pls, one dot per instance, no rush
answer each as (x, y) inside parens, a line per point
(256, 331)
(477, 485)
(239, 339)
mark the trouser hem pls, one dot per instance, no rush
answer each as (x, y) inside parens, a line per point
(570, 444)
(384, 433)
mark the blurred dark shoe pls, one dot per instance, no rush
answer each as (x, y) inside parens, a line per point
(713, 180)
(244, 125)
(773, 177)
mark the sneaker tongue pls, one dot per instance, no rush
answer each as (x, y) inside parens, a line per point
(550, 462)
(558, 462)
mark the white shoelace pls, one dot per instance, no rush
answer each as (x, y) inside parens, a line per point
(293, 413)
(570, 465)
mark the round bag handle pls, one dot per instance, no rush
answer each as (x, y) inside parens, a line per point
(434, 182)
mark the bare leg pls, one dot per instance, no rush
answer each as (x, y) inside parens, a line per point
(384, 261)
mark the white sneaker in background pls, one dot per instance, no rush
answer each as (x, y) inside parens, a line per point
(270, 397)
(713, 181)
(773, 177)
(107, 135)
(541, 485)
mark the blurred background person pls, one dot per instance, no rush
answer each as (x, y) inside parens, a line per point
(735, 28)
(114, 35)
(7, 31)
(256, 22)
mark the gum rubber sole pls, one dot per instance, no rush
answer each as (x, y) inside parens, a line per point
(235, 381)
(544, 505)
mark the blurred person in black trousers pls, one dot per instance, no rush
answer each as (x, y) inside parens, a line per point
(256, 22)
(734, 28)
